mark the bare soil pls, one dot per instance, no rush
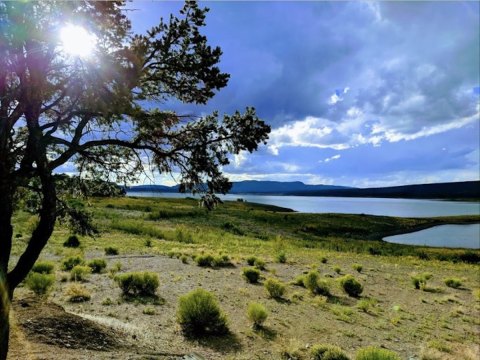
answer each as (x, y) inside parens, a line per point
(404, 320)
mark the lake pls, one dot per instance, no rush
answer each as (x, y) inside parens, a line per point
(345, 205)
(455, 236)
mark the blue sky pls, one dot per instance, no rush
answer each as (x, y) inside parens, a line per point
(357, 93)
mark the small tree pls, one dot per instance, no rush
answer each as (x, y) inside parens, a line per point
(102, 113)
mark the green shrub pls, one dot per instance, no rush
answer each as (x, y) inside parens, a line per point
(323, 260)
(110, 250)
(80, 273)
(257, 314)
(259, 264)
(373, 353)
(77, 293)
(327, 352)
(351, 286)
(43, 267)
(184, 259)
(97, 265)
(39, 283)
(204, 260)
(275, 288)
(419, 281)
(72, 261)
(366, 304)
(138, 283)
(148, 243)
(453, 282)
(72, 242)
(221, 261)
(337, 269)
(251, 275)
(148, 311)
(299, 281)
(316, 285)
(199, 313)
(251, 260)
(357, 267)
(281, 257)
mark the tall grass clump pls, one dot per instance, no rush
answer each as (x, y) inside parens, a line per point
(77, 293)
(351, 286)
(357, 267)
(419, 281)
(43, 267)
(452, 282)
(316, 285)
(327, 352)
(80, 273)
(199, 313)
(204, 260)
(251, 275)
(40, 284)
(275, 288)
(251, 260)
(72, 242)
(72, 261)
(281, 257)
(257, 314)
(374, 353)
(138, 283)
(97, 265)
(110, 250)
(259, 264)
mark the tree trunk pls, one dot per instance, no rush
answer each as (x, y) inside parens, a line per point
(5, 301)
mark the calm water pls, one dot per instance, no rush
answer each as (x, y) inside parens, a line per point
(343, 205)
(461, 236)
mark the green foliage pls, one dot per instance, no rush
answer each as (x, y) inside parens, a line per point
(148, 311)
(77, 293)
(351, 286)
(299, 281)
(366, 305)
(257, 314)
(323, 260)
(43, 267)
(419, 281)
(251, 260)
(221, 261)
(327, 352)
(453, 282)
(251, 275)
(39, 283)
(374, 353)
(315, 285)
(199, 313)
(184, 259)
(97, 265)
(148, 243)
(183, 235)
(259, 264)
(204, 260)
(337, 269)
(281, 257)
(138, 283)
(232, 228)
(72, 261)
(80, 273)
(110, 250)
(275, 288)
(72, 242)
(357, 267)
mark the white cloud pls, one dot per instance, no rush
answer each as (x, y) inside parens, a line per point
(331, 158)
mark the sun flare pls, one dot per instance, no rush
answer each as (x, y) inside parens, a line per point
(77, 41)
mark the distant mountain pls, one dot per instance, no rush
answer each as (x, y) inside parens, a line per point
(250, 187)
(453, 190)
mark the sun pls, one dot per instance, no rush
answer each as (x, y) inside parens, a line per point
(77, 41)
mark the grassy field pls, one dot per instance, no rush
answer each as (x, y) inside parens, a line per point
(168, 236)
